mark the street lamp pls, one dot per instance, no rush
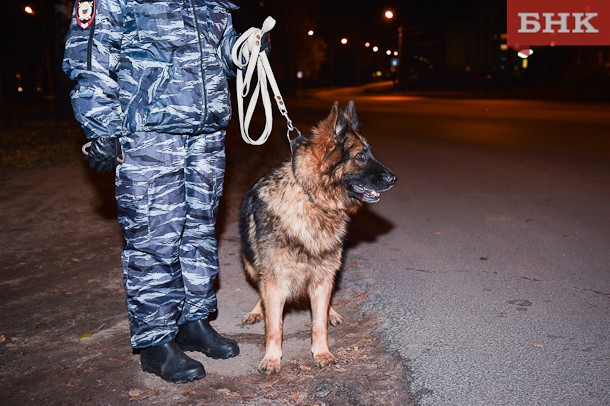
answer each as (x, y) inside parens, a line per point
(389, 14)
(525, 53)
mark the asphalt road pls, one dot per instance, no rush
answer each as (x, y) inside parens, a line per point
(488, 266)
(490, 259)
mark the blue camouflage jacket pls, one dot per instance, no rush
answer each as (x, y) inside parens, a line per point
(150, 65)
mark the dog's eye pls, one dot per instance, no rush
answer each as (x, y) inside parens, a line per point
(360, 156)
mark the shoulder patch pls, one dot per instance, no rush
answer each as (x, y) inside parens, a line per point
(85, 13)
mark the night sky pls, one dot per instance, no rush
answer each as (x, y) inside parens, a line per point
(444, 43)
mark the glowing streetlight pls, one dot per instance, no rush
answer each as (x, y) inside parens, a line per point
(344, 41)
(375, 48)
(367, 44)
(29, 10)
(389, 14)
(310, 33)
(524, 53)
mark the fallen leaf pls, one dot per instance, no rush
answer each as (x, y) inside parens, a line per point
(538, 345)
(190, 393)
(2, 338)
(85, 336)
(135, 394)
(304, 367)
(238, 290)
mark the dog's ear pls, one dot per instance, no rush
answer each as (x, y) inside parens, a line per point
(339, 119)
(350, 115)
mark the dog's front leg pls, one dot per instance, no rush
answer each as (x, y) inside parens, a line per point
(319, 295)
(273, 301)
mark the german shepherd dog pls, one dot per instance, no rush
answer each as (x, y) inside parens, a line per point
(293, 222)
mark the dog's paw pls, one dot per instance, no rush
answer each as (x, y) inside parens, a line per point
(252, 318)
(334, 318)
(269, 366)
(324, 359)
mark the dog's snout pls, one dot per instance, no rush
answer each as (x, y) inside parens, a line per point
(389, 177)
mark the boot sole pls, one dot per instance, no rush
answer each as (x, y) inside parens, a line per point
(188, 378)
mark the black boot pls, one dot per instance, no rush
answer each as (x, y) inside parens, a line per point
(170, 363)
(200, 336)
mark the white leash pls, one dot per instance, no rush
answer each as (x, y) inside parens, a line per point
(246, 53)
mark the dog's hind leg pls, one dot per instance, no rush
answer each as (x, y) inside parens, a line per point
(273, 300)
(319, 296)
(255, 315)
(334, 318)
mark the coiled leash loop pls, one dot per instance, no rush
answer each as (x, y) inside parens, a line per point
(248, 57)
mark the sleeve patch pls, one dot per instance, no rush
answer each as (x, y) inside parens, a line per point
(85, 13)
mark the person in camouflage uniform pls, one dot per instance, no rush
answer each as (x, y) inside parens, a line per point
(151, 94)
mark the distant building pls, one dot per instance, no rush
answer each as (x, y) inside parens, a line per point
(475, 49)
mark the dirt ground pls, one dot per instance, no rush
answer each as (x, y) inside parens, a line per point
(64, 337)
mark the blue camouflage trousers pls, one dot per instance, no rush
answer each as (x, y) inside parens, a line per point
(167, 192)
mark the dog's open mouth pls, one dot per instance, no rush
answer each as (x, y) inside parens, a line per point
(366, 195)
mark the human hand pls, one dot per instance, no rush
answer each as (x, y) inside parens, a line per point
(103, 153)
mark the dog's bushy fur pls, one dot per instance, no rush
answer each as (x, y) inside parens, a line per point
(293, 223)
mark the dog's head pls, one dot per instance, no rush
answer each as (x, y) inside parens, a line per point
(342, 158)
